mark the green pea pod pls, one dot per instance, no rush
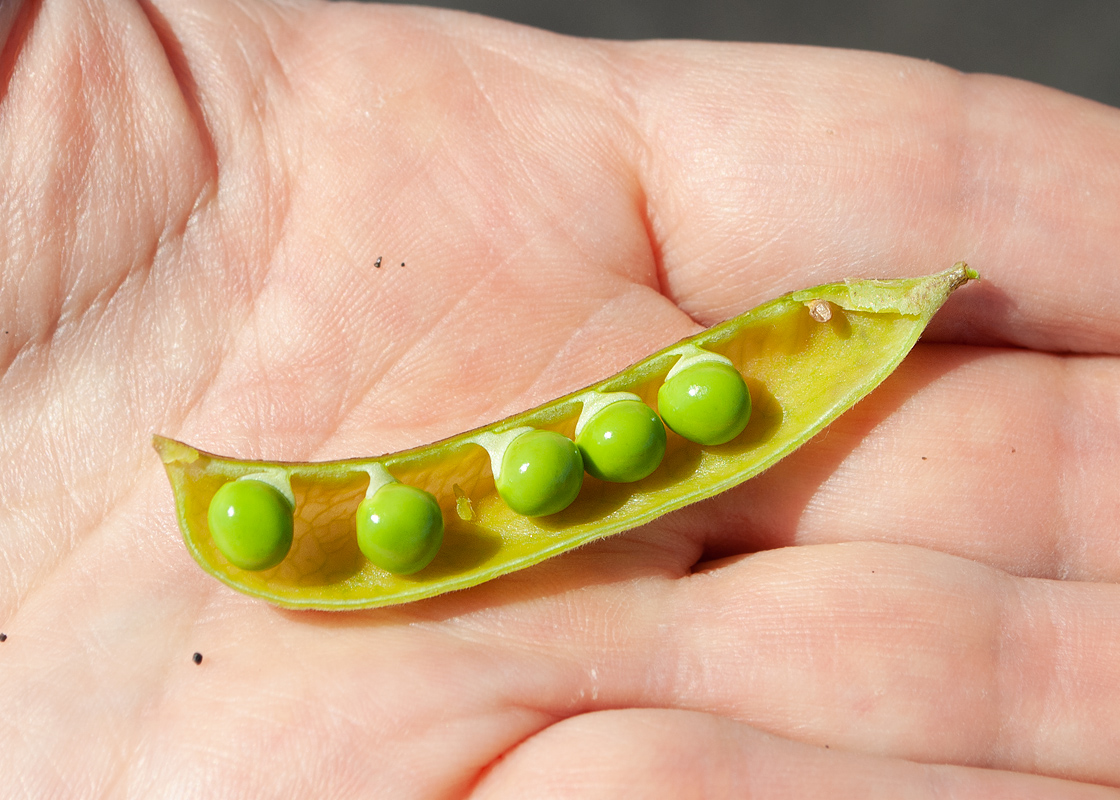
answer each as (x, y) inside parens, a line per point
(806, 358)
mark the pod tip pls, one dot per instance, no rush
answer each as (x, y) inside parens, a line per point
(171, 451)
(960, 274)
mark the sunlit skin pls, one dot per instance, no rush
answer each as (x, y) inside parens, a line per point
(920, 601)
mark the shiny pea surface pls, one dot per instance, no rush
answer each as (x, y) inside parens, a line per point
(399, 528)
(802, 368)
(251, 524)
(707, 403)
(541, 473)
(623, 442)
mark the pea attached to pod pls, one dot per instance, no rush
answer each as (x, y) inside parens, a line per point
(251, 522)
(400, 528)
(706, 402)
(622, 442)
(808, 356)
(541, 473)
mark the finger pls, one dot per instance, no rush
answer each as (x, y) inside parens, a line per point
(773, 167)
(880, 649)
(867, 648)
(1002, 456)
(682, 754)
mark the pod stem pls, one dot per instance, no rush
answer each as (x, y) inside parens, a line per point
(276, 478)
(496, 445)
(690, 355)
(378, 477)
(596, 402)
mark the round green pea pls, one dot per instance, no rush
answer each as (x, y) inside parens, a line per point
(707, 403)
(251, 523)
(542, 473)
(622, 442)
(400, 528)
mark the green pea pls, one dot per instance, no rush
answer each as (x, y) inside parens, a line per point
(707, 403)
(251, 523)
(400, 528)
(622, 442)
(541, 473)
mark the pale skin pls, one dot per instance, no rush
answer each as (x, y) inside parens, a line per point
(922, 602)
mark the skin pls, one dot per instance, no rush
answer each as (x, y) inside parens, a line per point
(921, 602)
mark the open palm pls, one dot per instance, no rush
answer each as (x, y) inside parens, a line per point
(313, 231)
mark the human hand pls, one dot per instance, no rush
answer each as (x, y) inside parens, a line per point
(921, 601)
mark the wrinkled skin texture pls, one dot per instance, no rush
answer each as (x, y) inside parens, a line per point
(921, 602)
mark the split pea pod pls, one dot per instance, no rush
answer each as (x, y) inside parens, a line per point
(683, 424)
